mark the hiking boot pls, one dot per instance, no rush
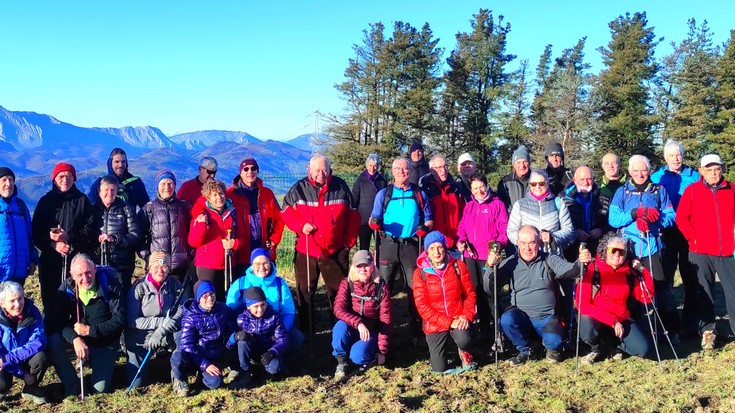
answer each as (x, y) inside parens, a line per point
(181, 388)
(341, 371)
(618, 354)
(34, 394)
(242, 381)
(519, 359)
(232, 375)
(590, 358)
(708, 340)
(468, 362)
(553, 356)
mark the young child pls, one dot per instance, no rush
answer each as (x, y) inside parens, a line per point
(262, 336)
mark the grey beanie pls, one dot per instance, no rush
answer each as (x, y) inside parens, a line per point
(521, 153)
(554, 148)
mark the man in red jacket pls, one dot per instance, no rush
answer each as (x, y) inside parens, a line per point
(706, 218)
(319, 210)
(191, 190)
(445, 198)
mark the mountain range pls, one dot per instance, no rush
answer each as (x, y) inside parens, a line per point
(32, 143)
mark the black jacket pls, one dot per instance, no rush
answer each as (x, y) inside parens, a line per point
(119, 221)
(512, 188)
(559, 178)
(418, 169)
(165, 225)
(363, 193)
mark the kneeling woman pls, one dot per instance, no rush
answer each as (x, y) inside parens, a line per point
(445, 300)
(22, 340)
(363, 311)
(602, 298)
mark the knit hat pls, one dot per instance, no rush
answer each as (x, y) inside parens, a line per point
(165, 175)
(201, 288)
(554, 148)
(63, 167)
(254, 295)
(5, 171)
(159, 257)
(362, 257)
(257, 253)
(434, 236)
(249, 160)
(416, 146)
(521, 153)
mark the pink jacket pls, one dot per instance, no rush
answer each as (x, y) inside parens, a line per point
(481, 223)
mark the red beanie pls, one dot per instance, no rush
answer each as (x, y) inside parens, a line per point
(249, 160)
(63, 167)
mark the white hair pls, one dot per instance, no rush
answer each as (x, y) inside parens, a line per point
(327, 162)
(434, 158)
(672, 145)
(539, 172)
(401, 159)
(638, 158)
(10, 289)
(373, 157)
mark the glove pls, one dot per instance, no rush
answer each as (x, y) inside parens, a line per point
(267, 357)
(231, 340)
(375, 223)
(242, 335)
(422, 230)
(652, 214)
(168, 325)
(636, 212)
(642, 224)
(156, 340)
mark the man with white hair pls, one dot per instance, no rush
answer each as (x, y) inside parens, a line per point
(465, 167)
(319, 209)
(583, 201)
(642, 209)
(676, 176)
(191, 190)
(445, 199)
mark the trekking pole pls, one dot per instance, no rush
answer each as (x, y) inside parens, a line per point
(103, 259)
(65, 270)
(495, 248)
(377, 248)
(650, 268)
(228, 263)
(650, 323)
(81, 362)
(582, 246)
(310, 298)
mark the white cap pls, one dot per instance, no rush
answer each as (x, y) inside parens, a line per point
(710, 159)
(464, 158)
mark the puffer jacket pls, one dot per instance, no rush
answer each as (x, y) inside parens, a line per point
(610, 301)
(482, 222)
(271, 222)
(329, 209)
(165, 227)
(512, 188)
(204, 334)
(549, 214)
(18, 343)
(653, 196)
(120, 223)
(104, 314)
(447, 205)
(147, 306)
(364, 191)
(207, 237)
(17, 251)
(268, 331)
(441, 296)
(362, 307)
(277, 294)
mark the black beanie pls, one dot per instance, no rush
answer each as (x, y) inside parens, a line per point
(5, 171)
(554, 148)
(254, 295)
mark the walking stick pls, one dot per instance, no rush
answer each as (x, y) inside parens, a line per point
(228, 263)
(310, 300)
(495, 248)
(582, 246)
(65, 270)
(104, 247)
(81, 362)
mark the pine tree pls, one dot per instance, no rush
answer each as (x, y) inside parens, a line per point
(723, 140)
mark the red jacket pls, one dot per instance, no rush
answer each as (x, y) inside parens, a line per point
(442, 298)
(207, 238)
(706, 217)
(377, 320)
(190, 191)
(610, 302)
(446, 204)
(329, 209)
(270, 216)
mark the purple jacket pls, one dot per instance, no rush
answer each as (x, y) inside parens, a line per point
(481, 223)
(20, 343)
(268, 331)
(204, 334)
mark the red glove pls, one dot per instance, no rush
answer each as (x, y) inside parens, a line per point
(375, 223)
(642, 224)
(422, 230)
(652, 214)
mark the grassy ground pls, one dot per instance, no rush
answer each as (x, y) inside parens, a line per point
(703, 383)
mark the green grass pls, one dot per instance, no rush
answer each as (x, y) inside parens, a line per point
(704, 382)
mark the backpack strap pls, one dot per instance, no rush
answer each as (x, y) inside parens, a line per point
(416, 196)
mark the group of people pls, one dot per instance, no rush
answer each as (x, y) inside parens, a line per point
(576, 249)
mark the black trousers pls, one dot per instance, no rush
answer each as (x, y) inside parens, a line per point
(437, 343)
(634, 340)
(35, 367)
(485, 307)
(706, 266)
(676, 253)
(398, 260)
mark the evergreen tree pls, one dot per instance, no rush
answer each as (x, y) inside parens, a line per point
(514, 119)
(723, 140)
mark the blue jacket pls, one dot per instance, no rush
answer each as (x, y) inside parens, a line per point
(267, 331)
(675, 183)
(16, 239)
(20, 343)
(131, 189)
(626, 199)
(204, 334)
(277, 294)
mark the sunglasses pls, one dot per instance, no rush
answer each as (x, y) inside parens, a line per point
(208, 171)
(618, 251)
(535, 184)
(249, 168)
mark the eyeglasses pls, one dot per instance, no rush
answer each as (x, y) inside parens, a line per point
(535, 184)
(616, 251)
(249, 168)
(208, 171)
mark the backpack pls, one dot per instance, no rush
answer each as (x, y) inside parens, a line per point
(378, 297)
(416, 196)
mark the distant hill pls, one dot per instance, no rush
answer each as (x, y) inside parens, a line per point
(204, 139)
(309, 142)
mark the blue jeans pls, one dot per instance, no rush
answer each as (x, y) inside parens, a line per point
(347, 339)
(102, 360)
(523, 330)
(183, 364)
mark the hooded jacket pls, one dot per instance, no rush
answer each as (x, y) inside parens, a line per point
(120, 223)
(277, 294)
(268, 331)
(482, 222)
(131, 188)
(441, 296)
(204, 333)
(165, 227)
(17, 250)
(207, 237)
(362, 307)
(18, 343)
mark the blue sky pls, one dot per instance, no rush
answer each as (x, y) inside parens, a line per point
(256, 66)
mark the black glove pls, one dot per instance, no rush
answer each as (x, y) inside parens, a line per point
(267, 357)
(241, 335)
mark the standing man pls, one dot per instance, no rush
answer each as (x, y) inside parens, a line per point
(642, 209)
(319, 209)
(514, 186)
(419, 166)
(611, 181)
(18, 255)
(466, 167)
(131, 189)
(558, 174)
(191, 190)
(366, 186)
(706, 219)
(446, 201)
(675, 176)
(585, 209)
(401, 212)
